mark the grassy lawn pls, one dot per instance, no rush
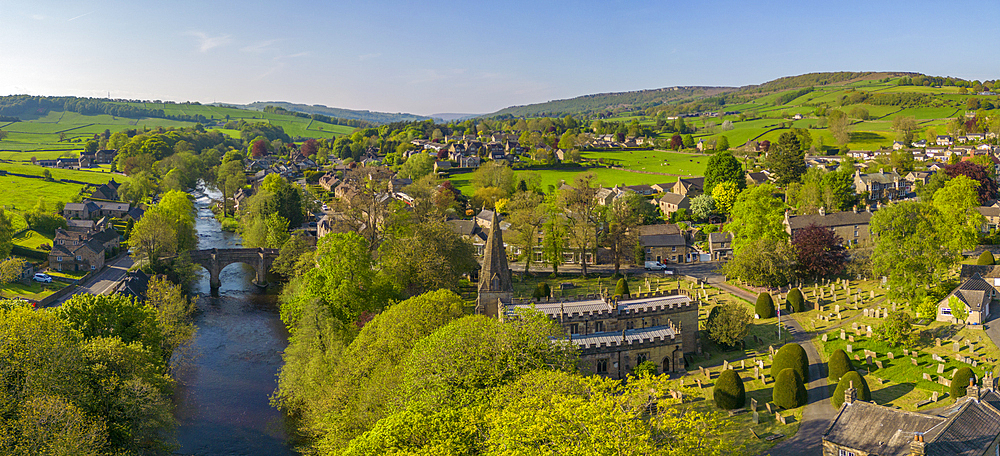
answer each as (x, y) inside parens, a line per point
(33, 290)
(32, 239)
(67, 274)
(684, 164)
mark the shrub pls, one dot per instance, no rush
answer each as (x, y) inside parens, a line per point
(765, 306)
(864, 394)
(729, 392)
(542, 291)
(796, 302)
(622, 288)
(960, 383)
(789, 390)
(791, 356)
(645, 368)
(986, 259)
(839, 365)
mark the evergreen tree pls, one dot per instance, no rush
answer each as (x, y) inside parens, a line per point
(765, 306)
(729, 392)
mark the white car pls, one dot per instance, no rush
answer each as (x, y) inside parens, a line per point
(43, 277)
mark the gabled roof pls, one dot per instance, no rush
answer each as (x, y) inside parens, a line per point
(724, 236)
(971, 428)
(878, 430)
(462, 227)
(665, 228)
(657, 240)
(673, 198)
(987, 272)
(974, 292)
(847, 218)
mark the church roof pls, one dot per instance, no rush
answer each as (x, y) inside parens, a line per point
(495, 264)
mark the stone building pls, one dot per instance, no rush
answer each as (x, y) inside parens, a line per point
(615, 335)
(851, 226)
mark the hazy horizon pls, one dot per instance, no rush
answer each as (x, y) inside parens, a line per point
(452, 57)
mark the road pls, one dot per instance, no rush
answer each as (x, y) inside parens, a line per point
(103, 281)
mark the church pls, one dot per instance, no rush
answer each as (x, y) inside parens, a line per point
(612, 334)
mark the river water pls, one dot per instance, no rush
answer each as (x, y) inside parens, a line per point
(225, 379)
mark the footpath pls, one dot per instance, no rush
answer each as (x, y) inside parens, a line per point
(819, 411)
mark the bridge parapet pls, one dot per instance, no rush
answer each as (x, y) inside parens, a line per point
(215, 260)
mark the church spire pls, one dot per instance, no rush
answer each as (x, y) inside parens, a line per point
(494, 278)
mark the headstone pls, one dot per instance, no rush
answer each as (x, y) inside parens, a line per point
(753, 404)
(934, 396)
(839, 316)
(699, 383)
(975, 363)
(927, 377)
(869, 333)
(937, 341)
(869, 328)
(871, 294)
(854, 326)
(906, 352)
(770, 349)
(781, 419)
(957, 347)
(940, 369)
(893, 307)
(743, 364)
(856, 358)
(824, 337)
(890, 355)
(878, 363)
(768, 405)
(876, 313)
(868, 359)
(850, 349)
(836, 308)
(913, 361)
(850, 338)
(954, 372)
(756, 418)
(865, 312)
(725, 365)
(843, 334)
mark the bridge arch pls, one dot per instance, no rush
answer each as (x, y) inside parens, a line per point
(215, 260)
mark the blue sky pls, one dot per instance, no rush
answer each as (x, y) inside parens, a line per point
(450, 56)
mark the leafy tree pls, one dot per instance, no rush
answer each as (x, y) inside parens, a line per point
(960, 382)
(688, 141)
(583, 215)
(987, 188)
(621, 288)
(728, 324)
(819, 252)
(645, 368)
(624, 215)
(425, 257)
(909, 249)
(6, 234)
(959, 309)
(789, 389)
(174, 313)
(702, 206)
(10, 269)
(542, 291)
(796, 302)
(729, 392)
(229, 179)
(763, 263)
(723, 167)
(926, 191)
(851, 378)
(786, 160)
(959, 222)
(764, 306)
(417, 166)
(114, 315)
(724, 195)
(722, 144)
(757, 215)
(153, 238)
(676, 142)
(294, 259)
(51, 425)
(527, 218)
(791, 356)
(895, 329)
(838, 126)
(986, 259)
(839, 365)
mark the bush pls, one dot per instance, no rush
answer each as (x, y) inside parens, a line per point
(542, 291)
(765, 306)
(796, 302)
(986, 259)
(864, 394)
(791, 356)
(789, 390)
(645, 368)
(960, 383)
(622, 288)
(729, 391)
(839, 365)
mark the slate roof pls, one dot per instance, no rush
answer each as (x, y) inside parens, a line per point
(877, 429)
(135, 284)
(113, 206)
(136, 213)
(673, 198)
(631, 336)
(972, 427)
(720, 237)
(989, 211)
(974, 292)
(462, 227)
(668, 228)
(881, 178)
(847, 218)
(656, 240)
(987, 272)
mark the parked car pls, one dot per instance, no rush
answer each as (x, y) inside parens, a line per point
(43, 277)
(655, 265)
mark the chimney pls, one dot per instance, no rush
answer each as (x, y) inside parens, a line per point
(973, 389)
(917, 445)
(851, 394)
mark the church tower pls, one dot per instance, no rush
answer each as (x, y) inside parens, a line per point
(494, 278)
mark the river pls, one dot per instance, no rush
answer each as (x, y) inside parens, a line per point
(226, 378)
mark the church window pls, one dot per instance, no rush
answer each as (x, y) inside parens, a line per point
(630, 325)
(598, 326)
(641, 358)
(574, 328)
(602, 366)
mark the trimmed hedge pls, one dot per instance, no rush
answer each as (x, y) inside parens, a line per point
(765, 306)
(791, 356)
(621, 289)
(796, 302)
(839, 365)
(729, 391)
(29, 253)
(960, 383)
(986, 259)
(789, 390)
(864, 394)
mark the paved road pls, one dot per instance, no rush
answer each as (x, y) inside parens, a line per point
(819, 411)
(103, 281)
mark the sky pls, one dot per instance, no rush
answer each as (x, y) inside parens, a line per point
(441, 56)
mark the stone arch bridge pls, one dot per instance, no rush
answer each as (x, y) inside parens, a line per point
(215, 260)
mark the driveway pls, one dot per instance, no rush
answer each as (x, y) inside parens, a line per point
(103, 281)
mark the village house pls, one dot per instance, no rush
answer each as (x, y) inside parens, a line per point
(969, 427)
(920, 143)
(88, 256)
(672, 202)
(880, 185)
(105, 156)
(108, 191)
(328, 181)
(689, 187)
(992, 215)
(83, 210)
(975, 294)
(720, 246)
(944, 140)
(666, 243)
(852, 227)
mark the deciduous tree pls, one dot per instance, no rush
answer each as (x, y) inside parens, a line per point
(723, 167)
(819, 252)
